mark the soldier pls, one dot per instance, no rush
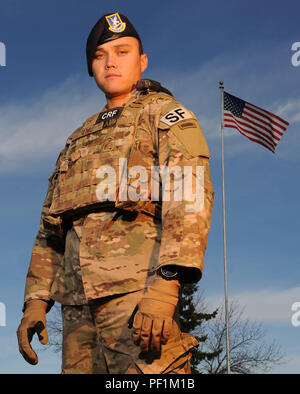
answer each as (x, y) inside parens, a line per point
(119, 233)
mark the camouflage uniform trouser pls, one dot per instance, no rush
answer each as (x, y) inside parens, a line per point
(97, 340)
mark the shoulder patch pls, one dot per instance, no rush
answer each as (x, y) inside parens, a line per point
(176, 115)
(192, 138)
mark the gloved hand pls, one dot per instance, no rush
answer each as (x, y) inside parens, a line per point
(152, 323)
(34, 321)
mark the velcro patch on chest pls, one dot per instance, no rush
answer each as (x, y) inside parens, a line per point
(110, 114)
(176, 115)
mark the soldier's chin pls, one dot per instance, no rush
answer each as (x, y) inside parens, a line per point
(108, 87)
(113, 93)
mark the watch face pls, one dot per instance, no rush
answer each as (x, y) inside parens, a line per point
(167, 272)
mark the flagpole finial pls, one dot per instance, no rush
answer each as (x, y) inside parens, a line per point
(221, 84)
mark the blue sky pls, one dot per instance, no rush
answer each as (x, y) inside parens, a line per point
(46, 93)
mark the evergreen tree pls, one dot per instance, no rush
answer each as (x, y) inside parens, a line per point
(190, 320)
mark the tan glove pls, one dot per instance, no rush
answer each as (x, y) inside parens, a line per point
(152, 323)
(34, 321)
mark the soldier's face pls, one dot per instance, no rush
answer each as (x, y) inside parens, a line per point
(118, 65)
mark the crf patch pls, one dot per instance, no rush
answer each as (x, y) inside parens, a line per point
(115, 22)
(110, 114)
(176, 115)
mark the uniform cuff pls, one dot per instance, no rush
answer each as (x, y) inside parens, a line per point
(49, 306)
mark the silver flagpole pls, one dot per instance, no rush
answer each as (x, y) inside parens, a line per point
(224, 230)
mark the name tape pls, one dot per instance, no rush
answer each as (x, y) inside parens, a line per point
(110, 114)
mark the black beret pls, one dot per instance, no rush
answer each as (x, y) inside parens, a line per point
(109, 27)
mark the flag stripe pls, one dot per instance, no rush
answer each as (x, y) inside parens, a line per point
(253, 139)
(260, 128)
(249, 125)
(255, 123)
(250, 135)
(269, 113)
(263, 123)
(269, 121)
(248, 130)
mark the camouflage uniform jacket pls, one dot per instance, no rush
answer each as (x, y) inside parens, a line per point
(87, 248)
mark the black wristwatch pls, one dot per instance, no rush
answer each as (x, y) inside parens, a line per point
(168, 272)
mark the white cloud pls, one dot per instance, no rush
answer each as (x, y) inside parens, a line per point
(265, 305)
(291, 366)
(291, 110)
(36, 129)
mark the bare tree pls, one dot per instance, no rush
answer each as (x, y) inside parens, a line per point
(54, 328)
(249, 353)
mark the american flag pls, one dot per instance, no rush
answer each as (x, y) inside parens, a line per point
(253, 122)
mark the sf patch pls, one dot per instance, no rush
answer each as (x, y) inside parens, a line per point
(115, 23)
(176, 115)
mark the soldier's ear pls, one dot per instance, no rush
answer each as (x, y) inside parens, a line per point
(144, 62)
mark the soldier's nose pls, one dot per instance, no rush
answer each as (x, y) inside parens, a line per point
(110, 62)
